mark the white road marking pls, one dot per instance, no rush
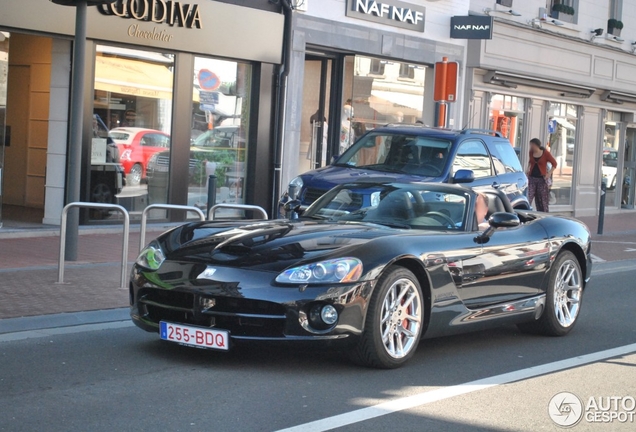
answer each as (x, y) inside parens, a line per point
(613, 242)
(630, 250)
(428, 397)
(596, 259)
(16, 336)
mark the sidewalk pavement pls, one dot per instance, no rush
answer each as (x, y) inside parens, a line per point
(28, 266)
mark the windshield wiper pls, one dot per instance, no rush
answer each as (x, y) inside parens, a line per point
(378, 167)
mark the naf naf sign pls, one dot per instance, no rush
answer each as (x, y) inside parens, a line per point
(389, 12)
(471, 27)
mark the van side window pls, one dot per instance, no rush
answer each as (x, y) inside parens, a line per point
(504, 158)
(472, 155)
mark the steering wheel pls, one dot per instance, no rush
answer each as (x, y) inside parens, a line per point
(428, 165)
(441, 217)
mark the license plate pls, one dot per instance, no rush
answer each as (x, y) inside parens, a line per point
(194, 336)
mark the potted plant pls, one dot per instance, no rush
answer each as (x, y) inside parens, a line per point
(614, 26)
(563, 12)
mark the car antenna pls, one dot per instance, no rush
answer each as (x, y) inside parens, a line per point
(469, 121)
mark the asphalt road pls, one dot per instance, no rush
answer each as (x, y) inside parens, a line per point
(120, 379)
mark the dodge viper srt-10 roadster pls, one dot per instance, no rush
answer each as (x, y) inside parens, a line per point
(373, 265)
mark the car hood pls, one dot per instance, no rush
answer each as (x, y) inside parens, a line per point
(332, 175)
(269, 245)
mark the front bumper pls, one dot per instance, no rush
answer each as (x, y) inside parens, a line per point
(252, 309)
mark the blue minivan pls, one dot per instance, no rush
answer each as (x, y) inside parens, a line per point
(415, 153)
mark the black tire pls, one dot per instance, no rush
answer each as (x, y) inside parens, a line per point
(554, 320)
(371, 349)
(101, 193)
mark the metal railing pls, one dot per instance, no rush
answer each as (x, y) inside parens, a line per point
(254, 208)
(124, 255)
(144, 217)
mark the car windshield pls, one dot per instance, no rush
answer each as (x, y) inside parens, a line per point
(398, 153)
(415, 206)
(610, 158)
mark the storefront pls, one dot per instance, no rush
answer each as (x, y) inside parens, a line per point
(358, 66)
(175, 92)
(576, 96)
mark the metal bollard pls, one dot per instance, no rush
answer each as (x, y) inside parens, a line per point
(601, 212)
(211, 191)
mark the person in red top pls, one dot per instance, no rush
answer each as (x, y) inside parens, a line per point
(539, 175)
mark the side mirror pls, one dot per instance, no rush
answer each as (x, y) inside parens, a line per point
(292, 208)
(464, 176)
(334, 158)
(496, 221)
(504, 220)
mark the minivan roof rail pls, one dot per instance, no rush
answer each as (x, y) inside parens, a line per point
(483, 131)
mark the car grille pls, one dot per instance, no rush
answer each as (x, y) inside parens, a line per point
(163, 160)
(312, 194)
(240, 316)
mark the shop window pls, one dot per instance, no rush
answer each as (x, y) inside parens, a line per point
(220, 131)
(506, 115)
(609, 160)
(4, 136)
(371, 99)
(562, 143)
(132, 117)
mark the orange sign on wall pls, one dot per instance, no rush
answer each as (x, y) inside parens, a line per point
(446, 81)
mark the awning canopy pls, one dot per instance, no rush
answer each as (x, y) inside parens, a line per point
(131, 77)
(387, 102)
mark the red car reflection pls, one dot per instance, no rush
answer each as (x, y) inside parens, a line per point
(136, 147)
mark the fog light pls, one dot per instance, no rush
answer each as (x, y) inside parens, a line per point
(329, 315)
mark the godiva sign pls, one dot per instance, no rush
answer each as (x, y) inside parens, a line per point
(156, 11)
(177, 25)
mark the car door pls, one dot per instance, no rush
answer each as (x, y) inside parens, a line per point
(473, 155)
(512, 265)
(510, 176)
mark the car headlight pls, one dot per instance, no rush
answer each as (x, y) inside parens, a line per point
(295, 186)
(151, 257)
(341, 270)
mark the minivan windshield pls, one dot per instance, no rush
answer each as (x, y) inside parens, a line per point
(398, 153)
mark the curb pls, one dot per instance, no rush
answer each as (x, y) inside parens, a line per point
(70, 319)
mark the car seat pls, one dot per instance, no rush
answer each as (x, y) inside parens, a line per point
(495, 205)
(396, 205)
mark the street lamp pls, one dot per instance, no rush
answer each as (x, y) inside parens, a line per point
(74, 173)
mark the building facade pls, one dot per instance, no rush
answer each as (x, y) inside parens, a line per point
(185, 90)
(357, 64)
(562, 72)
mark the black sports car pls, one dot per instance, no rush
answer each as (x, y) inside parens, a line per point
(380, 275)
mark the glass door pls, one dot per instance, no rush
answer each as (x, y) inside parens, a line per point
(4, 74)
(314, 128)
(629, 169)
(132, 120)
(612, 139)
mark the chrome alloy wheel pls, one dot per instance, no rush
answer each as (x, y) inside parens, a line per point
(567, 293)
(401, 318)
